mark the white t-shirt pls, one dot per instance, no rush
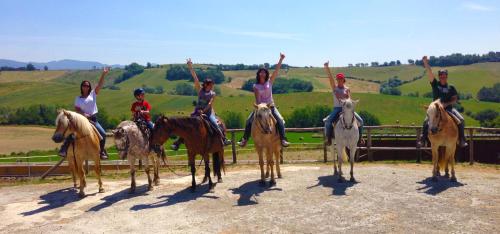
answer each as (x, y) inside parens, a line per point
(343, 92)
(88, 105)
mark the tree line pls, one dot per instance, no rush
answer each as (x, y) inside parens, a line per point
(281, 85)
(183, 73)
(130, 71)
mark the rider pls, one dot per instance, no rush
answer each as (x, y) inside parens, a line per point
(86, 104)
(448, 96)
(204, 106)
(141, 108)
(340, 92)
(263, 94)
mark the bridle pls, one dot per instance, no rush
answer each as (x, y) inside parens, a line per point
(344, 124)
(439, 119)
(261, 125)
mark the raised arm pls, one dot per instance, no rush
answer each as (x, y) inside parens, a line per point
(278, 67)
(428, 69)
(197, 85)
(330, 76)
(105, 71)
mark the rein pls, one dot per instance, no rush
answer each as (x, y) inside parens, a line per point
(262, 128)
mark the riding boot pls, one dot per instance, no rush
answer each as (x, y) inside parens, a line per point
(63, 152)
(361, 141)
(425, 133)
(246, 134)
(175, 146)
(103, 153)
(461, 136)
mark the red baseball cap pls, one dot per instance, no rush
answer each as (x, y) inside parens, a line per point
(340, 76)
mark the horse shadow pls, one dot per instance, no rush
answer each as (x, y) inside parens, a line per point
(119, 196)
(331, 181)
(434, 188)
(249, 190)
(55, 199)
(184, 195)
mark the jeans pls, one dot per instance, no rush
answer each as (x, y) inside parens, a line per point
(150, 125)
(280, 125)
(334, 115)
(100, 129)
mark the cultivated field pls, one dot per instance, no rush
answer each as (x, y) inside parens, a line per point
(387, 198)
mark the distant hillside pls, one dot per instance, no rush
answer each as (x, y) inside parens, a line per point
(65, 64)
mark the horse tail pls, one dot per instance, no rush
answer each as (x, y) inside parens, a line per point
(442, 157)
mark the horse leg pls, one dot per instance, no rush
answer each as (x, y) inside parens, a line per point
(451, 158)
(352, 151)
(131, 160)
(335, 171)
(340, 153)
(277, 155)
(72, 169)
(270, 163)
(97, 169)
(261, 164)
(206, 158)
(435, 159)
(81, 175)
(156, 168)
(147, 169)
(216, 161)
(193, 171)
(446, 170)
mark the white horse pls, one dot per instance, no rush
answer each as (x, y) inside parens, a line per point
(346, 135)
(132, 144)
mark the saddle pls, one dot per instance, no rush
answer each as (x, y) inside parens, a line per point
(143, 126)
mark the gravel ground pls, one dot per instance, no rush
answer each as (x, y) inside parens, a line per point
(386, 198)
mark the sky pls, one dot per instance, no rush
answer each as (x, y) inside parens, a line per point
(250, 32)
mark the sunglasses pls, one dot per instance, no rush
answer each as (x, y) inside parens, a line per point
(86, 86)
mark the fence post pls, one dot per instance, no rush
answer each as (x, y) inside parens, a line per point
(471, 146)
(325, 153)
(419, 152)
(369, 144)
(233, 146)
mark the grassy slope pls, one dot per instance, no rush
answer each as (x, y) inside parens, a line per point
(467, 79)
(32, 76)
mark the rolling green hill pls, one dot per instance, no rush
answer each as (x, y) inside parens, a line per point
(61, 87)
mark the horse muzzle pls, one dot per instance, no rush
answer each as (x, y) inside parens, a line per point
(58, 138)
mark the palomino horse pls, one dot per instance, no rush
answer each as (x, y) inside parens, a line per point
(84, 147)
(131, 143)
(443, 137)
(199, 139)
(346, 135)
(267, 139)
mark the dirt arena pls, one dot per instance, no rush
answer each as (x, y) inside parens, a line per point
(386, 198)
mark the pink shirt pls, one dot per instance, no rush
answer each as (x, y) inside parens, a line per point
(265, 92)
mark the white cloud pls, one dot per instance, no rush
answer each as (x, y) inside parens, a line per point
(476, 7)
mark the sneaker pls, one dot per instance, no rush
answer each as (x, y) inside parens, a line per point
(361, 142)
(329, 141)
(462, 143)
(104, 156)
(63, 152)
(227, 141)
(284, 143)
(243, 142)
(174, 147)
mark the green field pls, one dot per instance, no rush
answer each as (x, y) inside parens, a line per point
(61, 89)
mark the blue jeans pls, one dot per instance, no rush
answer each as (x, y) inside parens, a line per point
(280, 125)
(102, 132)
(334, 115)
(150, 125)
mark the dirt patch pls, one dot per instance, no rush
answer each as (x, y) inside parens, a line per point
(387, 198)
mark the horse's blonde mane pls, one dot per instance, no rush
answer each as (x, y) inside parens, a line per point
(80, 122)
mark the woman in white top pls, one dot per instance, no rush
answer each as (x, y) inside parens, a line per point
(86, 104)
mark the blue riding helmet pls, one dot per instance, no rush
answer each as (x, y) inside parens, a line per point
(139, 91)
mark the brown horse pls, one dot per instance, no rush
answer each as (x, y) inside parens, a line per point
(267, 140)
(84, 147)
(199, 139)
(443, 137)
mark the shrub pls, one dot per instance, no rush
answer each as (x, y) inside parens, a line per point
(233, 119)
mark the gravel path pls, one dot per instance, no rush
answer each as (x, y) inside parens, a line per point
(387, 198)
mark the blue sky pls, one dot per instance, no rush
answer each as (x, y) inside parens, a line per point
(251, 32)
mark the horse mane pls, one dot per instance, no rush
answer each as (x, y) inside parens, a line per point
(80, 122)
(184, 122)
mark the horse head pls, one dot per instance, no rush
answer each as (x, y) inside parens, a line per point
(434, 116)
(161, 132)
(63, 126)
(264, 118)
(347, 115)
(121, 141)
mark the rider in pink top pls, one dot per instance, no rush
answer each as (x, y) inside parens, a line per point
(263, 91)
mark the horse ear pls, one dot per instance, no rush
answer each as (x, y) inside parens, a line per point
(268, 105)
(114, 131)
(66, 113)
(425, 107)
(255, 105)
(355, 101)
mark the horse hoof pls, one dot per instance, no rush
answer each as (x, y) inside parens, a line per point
(262, 183)
(219, 180)
(438, 173)
(335, 173)
(352, 180)
(280, 177)
(81, 194)
(204, 180)
(150, 188)
(434, 179)
(131, 191)
(156, 183)
(193, 189)
(341, 180)
(272, 183)
(75, 186)
(453, 179)
(447, 175)
(101, 190)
